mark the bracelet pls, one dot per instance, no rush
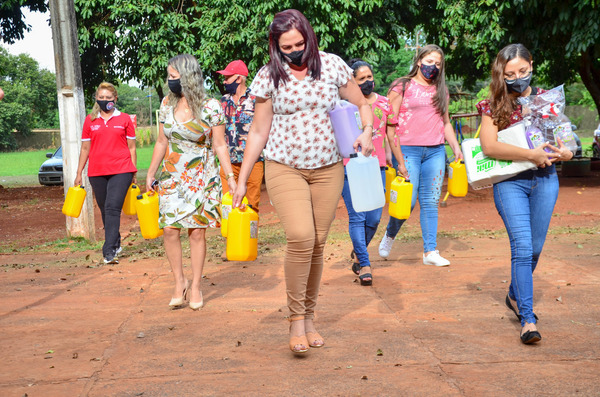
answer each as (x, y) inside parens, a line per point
(368, 125)
(230, 175)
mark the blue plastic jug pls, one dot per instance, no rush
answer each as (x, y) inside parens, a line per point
(364, 180)
(346, 123)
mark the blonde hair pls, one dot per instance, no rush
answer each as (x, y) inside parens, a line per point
(192, 83)
(103, 86)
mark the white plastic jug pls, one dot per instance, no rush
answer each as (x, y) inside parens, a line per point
(346, 124)
(364, 180)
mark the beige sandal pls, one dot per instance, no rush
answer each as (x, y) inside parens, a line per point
(314, 339)
(298, 343)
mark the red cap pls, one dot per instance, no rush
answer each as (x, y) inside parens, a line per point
(235, 67)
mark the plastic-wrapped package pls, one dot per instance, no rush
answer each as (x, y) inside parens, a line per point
(545, 119)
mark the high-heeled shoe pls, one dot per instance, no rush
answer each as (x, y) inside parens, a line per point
(179, 301)
(298, 343)
(197, 305)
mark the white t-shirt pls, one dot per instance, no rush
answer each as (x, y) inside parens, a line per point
(301, 134)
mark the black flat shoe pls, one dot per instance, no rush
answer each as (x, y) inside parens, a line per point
(514, 310)
(530, 337)
(363, 278)
(511, 307)
(356, 268)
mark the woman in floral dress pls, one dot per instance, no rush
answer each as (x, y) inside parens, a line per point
(192, 129)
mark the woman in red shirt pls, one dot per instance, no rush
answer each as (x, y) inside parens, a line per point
(108, 141)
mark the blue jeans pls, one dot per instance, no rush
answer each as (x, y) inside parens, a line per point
(525, 202)
(361, 225)
(426, 166)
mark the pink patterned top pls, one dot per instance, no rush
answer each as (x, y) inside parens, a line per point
(301, 134)
(419, 123)
(383, 114)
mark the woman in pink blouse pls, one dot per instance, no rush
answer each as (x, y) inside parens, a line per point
(421, 101)
(303, 169)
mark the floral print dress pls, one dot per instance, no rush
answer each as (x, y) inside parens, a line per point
(189, 183)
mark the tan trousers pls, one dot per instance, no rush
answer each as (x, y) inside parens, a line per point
(254, 182)
(305, 201)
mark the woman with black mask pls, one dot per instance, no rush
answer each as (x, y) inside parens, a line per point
(526, 201)
(108, 141)
(363, 225)
(303, 168)
(191, 131)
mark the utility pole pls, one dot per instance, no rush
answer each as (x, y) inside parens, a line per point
(71, 109)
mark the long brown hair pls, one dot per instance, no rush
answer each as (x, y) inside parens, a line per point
(103, 86)
(502, 103)
(283, 22)
(440, 100)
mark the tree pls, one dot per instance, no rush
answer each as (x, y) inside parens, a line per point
(12, 25)
(134, 39)
(30, 97)
(133, 100)
(392, 64)
(563, 36)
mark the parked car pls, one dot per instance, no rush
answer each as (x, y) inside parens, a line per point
(596, 143)
(51, 170)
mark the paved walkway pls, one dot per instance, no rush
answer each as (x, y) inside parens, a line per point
(68, 330)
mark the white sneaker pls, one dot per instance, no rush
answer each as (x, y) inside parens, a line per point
(435, 259)
(111, 261)
(385, 246)
(119, 250)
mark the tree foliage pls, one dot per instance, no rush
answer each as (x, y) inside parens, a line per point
(30, 99)
(133, 100)
(563, 36)
(12, 23)
(134, 39)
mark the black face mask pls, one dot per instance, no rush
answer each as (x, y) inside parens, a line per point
(518, 85)
(231, 88)
(294, 57)
(175, 86)
(367, 87)
(106, 106)
(430, 72)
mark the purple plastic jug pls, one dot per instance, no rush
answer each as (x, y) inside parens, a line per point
(346, 123)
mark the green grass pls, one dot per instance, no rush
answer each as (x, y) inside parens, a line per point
(28, 163)
(22, 163)
(74, 244)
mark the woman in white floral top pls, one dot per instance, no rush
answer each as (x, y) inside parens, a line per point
(192, 129)
(303, 169)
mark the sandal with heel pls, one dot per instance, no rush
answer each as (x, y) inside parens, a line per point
(298, 343)
(314, 338)
(366, 278)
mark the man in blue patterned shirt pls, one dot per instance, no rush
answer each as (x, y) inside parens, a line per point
(238, 106)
